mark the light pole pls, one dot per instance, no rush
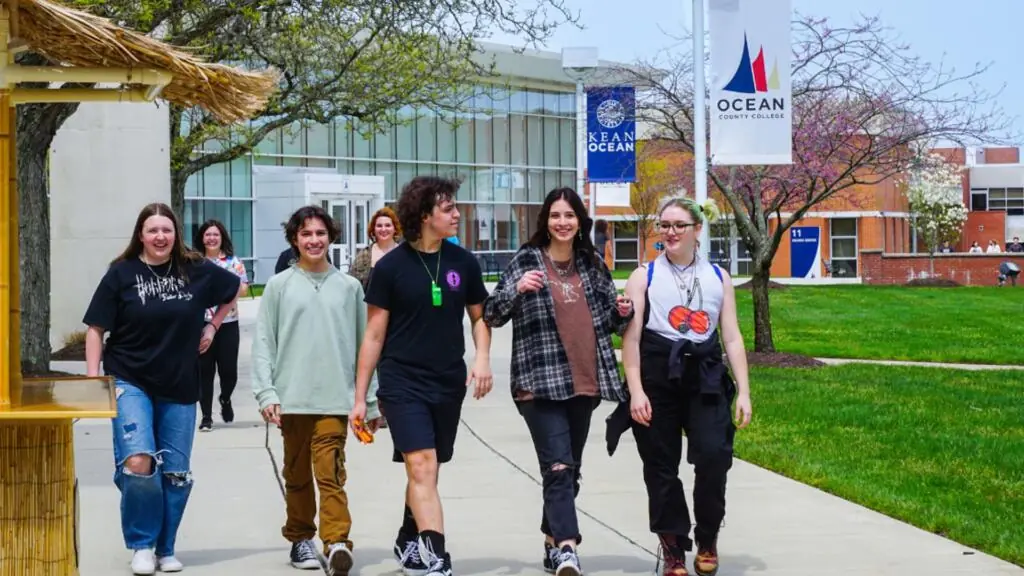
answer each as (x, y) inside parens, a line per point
(700, 150)
(579, 63)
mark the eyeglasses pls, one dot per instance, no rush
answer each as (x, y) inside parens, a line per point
(674, 226)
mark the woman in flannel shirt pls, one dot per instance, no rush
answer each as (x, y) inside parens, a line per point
(564, 307)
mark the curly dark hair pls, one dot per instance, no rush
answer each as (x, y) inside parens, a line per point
(225, 239)
(298, 219)
(418, 199)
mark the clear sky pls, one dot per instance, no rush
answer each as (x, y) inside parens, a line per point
(960, 34)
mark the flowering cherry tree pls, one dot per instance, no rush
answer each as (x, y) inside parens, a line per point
(862, 104)
(935, 192)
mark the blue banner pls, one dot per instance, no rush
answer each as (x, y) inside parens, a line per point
(611, 134)
(804, 251)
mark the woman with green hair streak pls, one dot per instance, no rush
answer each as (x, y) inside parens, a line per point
(678, 383)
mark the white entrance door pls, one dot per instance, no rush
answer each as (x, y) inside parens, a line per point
(352, 216)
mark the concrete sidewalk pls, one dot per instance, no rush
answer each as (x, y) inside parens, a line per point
(492, 500)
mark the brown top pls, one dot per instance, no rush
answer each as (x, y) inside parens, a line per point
(575, 329)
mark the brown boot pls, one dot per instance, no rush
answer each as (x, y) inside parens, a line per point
(673, 557)
(706, 562)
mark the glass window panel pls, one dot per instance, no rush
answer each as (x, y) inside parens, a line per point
(406, 172)
(520, 186)
(362, 146)
(551, 149)
(342, 137)
(426, 169)
(844, 227)
(464, 140)
(500, 99)
(387, 170)
(467, 188)
(241, 177)
(215, 181)
(517, 139)
(567, 179)
(551, 181)
(506, 231)
(241, 228)
(844, 248)
(445, 139)
(482, 224)
(844, 268)
(270, 144)
(997, 193)
(534, 141)
(536, 186)
(518, 101)
(385, 142)
(484, 184)
(318, 140)
(484, 140)
(362, 169)
(482, 100)
(997, 204)
(535, 101)
(218, 209)
(551, 103)
(291, 140)
(502, 185)
(193, 186)
(501, 140)
(567, 145)
(567, 104)
(426, 137)
(1014, 193)
(191, 222)
(298, 161)
(626, 249)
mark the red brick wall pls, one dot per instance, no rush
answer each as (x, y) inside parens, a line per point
(967, 269)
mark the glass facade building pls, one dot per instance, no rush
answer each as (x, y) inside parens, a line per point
(510, 147)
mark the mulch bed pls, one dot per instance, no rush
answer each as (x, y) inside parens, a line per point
(74, 352)
(772, 285)
(934, 283)
(783, 360)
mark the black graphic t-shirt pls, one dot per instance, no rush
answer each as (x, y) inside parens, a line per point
(424, 347)
(155, 319)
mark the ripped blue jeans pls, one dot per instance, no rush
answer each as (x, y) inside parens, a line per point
(152, 501)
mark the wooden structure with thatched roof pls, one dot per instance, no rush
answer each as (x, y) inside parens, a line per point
(38, 493)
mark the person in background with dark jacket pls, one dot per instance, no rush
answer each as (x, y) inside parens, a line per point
(679, 384)
(563, 363)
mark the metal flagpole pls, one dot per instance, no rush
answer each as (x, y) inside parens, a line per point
(700, 150)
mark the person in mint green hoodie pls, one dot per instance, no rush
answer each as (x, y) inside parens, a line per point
(310, 326)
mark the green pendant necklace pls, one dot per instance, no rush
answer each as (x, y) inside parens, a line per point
(435, 290)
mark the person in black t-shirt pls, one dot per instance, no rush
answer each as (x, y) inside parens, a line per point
(152, 301)
(417, 298)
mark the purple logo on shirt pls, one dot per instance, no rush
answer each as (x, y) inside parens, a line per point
(453, 279)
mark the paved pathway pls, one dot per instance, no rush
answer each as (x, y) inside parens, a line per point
(774, 526)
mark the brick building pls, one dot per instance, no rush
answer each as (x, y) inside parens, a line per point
(867, 232)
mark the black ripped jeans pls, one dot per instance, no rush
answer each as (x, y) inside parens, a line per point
(677, 407)
(559, 429)
(221, 358)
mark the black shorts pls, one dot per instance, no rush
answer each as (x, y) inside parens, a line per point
(418, 425)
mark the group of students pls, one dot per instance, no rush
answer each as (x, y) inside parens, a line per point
(335, 353)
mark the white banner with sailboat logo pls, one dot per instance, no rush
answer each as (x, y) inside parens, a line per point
(751, 93)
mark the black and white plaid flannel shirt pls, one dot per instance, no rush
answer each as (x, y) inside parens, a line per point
(540, 365)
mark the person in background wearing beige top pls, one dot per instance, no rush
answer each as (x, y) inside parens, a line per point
(564, 307)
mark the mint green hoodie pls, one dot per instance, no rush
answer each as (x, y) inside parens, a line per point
(308, 333)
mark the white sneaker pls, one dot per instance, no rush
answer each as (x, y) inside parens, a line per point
(339, 559)
(170, 564)
(144, 562)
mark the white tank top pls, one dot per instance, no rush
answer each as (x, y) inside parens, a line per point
(685, 301)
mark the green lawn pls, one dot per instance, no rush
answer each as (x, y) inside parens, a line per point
(974, 325)
(940, 449)
(979, 325)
